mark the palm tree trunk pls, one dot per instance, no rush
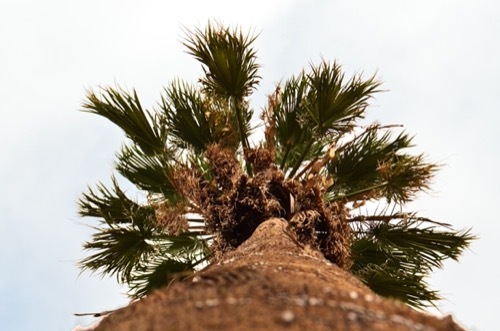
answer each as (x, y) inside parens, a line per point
(271, 282)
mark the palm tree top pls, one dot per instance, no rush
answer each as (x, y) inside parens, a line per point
(208, 188)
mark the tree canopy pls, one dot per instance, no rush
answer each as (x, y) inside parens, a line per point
(208, 185)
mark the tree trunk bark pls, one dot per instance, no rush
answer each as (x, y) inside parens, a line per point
(271, 282)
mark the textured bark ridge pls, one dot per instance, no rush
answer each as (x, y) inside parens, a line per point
(271, 282)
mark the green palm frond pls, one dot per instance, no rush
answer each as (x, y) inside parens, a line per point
(372, 166)
(195, 121)
(125, 110)
(393, 272)
(179, 257)
(367, 251)
(228, 59)
(400, 284)
(148, 172)
(119, 249)
(431, 244)
(229, 64)
(113, 206)
(122, 240)
(187, 117)
(317, 109)
(355, 163)
(286, 115)
(333, 104)
(128, 239)
(405, 176)
(394, 253)
(157, 274)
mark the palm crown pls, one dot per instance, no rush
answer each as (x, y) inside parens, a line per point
(208, 187)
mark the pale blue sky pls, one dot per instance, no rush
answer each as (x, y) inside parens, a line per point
(438, 59)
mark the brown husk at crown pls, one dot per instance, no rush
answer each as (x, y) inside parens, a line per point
(234, 204)
(171, 218)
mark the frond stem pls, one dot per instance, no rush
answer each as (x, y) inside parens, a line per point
(285, 156)
(363, 191)
(244, 139)
(301, 158)
(388, 218)
(307, 167)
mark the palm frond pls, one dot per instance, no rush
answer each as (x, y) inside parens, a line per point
(400, 284)
(119, 249)
(317, 109)
(430, 243)
(186, 117)
(367, 251)
(286, 113)
(113, 206)
(405, 176)
(157, 274)
(149, 172)
(123, 239)
(228, 60)
(177, 259)
(333, 104)
(371, 166)
(196, 121)
(394, 253)
(125, 110)
(229, 64)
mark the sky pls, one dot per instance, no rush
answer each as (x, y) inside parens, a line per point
(438, 61)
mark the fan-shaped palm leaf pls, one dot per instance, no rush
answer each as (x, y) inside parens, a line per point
(176, 259)
(125, 110)
(120, 249)
(149, 172)
(113, 206)
(394, 253)
(400, 284)
(333, 104)
(229, 64)
(372, 166)
(228, 60)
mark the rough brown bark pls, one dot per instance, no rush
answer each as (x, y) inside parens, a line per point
(271, 282)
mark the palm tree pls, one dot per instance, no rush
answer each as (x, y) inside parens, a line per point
(338, 187)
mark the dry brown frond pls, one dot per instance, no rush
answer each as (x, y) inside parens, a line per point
(189, 183)
(269, 121)
(172, 218)
(385, 169)
(261, 158)
(234, 205)
(328, 230)
(224, 166)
